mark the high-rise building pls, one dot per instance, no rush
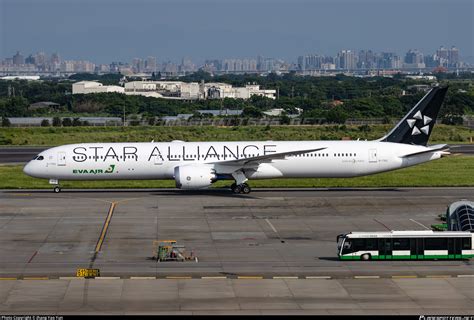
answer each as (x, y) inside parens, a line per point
(187, 65)
(442, 57)
(414, 59)
(453, 56)
(18, 59)
(40, 59)
(396, 62)
(228, 65)
(55, 63)
(150, 64)
(260, 60)
(212, 65)
(366, 59)
(431, 61)
(67, 66)
(30, 59)
(138, 65)
(346, 59)
(55, 58)
(310, 62)
(448, 58)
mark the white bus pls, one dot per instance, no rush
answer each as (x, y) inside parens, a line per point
(405, 245)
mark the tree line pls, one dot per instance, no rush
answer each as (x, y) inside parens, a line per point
(334, 99)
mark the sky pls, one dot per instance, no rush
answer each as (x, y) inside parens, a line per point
(103, 31)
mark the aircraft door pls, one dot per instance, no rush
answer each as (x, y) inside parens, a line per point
(372, 155)
(61, 158)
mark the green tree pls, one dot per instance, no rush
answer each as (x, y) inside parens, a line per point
(67, 122)
(337, 115)
(284, 119)
(5, 122)
(251, 112)
(76, 122)
(57, 122)
(151, 120)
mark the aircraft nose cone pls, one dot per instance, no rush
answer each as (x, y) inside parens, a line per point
(28, 169)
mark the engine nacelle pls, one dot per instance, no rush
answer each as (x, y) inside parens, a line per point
(194, 176)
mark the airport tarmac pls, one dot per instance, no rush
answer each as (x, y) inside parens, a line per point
(272, 251)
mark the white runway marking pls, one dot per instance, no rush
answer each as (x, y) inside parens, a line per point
(271, 225)
(418, 223)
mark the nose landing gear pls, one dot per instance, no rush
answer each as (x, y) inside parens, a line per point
(57, 187)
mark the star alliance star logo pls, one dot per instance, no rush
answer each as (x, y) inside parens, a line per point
(425, 129)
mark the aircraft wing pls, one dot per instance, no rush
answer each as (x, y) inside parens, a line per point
(438, 147)
(266, 158)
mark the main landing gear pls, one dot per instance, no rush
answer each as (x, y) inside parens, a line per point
(240, 188)
(57, 189)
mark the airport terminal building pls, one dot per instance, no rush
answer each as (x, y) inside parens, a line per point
(460, 216)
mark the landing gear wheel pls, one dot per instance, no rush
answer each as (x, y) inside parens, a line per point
(57, 189)
(245, 189)
(237, 189)
(233, 186)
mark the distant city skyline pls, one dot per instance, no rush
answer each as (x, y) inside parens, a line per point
(307, 64)
(56, 55)
(104, 30)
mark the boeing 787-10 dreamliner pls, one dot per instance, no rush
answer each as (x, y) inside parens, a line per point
(196, 165)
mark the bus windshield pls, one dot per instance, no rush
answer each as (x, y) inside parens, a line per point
(340, 239)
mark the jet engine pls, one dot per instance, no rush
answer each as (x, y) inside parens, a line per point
(194, 176)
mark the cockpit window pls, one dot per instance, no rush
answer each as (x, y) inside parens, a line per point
(36, 157)
(40, 158)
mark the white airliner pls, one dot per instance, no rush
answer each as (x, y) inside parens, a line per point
(196, 165)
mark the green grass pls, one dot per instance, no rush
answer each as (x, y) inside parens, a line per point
(52, 136)
(455, 171)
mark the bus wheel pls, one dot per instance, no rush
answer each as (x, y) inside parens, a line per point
(365, 257)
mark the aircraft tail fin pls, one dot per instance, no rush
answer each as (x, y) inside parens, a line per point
(418, 123)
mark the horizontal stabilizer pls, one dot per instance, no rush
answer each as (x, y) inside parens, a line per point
(435, 148)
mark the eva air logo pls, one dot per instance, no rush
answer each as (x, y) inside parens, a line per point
(419, 124)
(110, 169)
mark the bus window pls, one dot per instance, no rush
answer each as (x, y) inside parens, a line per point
(385, 246)
(371, 244)
(359, 244)
(401, 244)
(466, 244)
(347, 247)
(436, 244)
